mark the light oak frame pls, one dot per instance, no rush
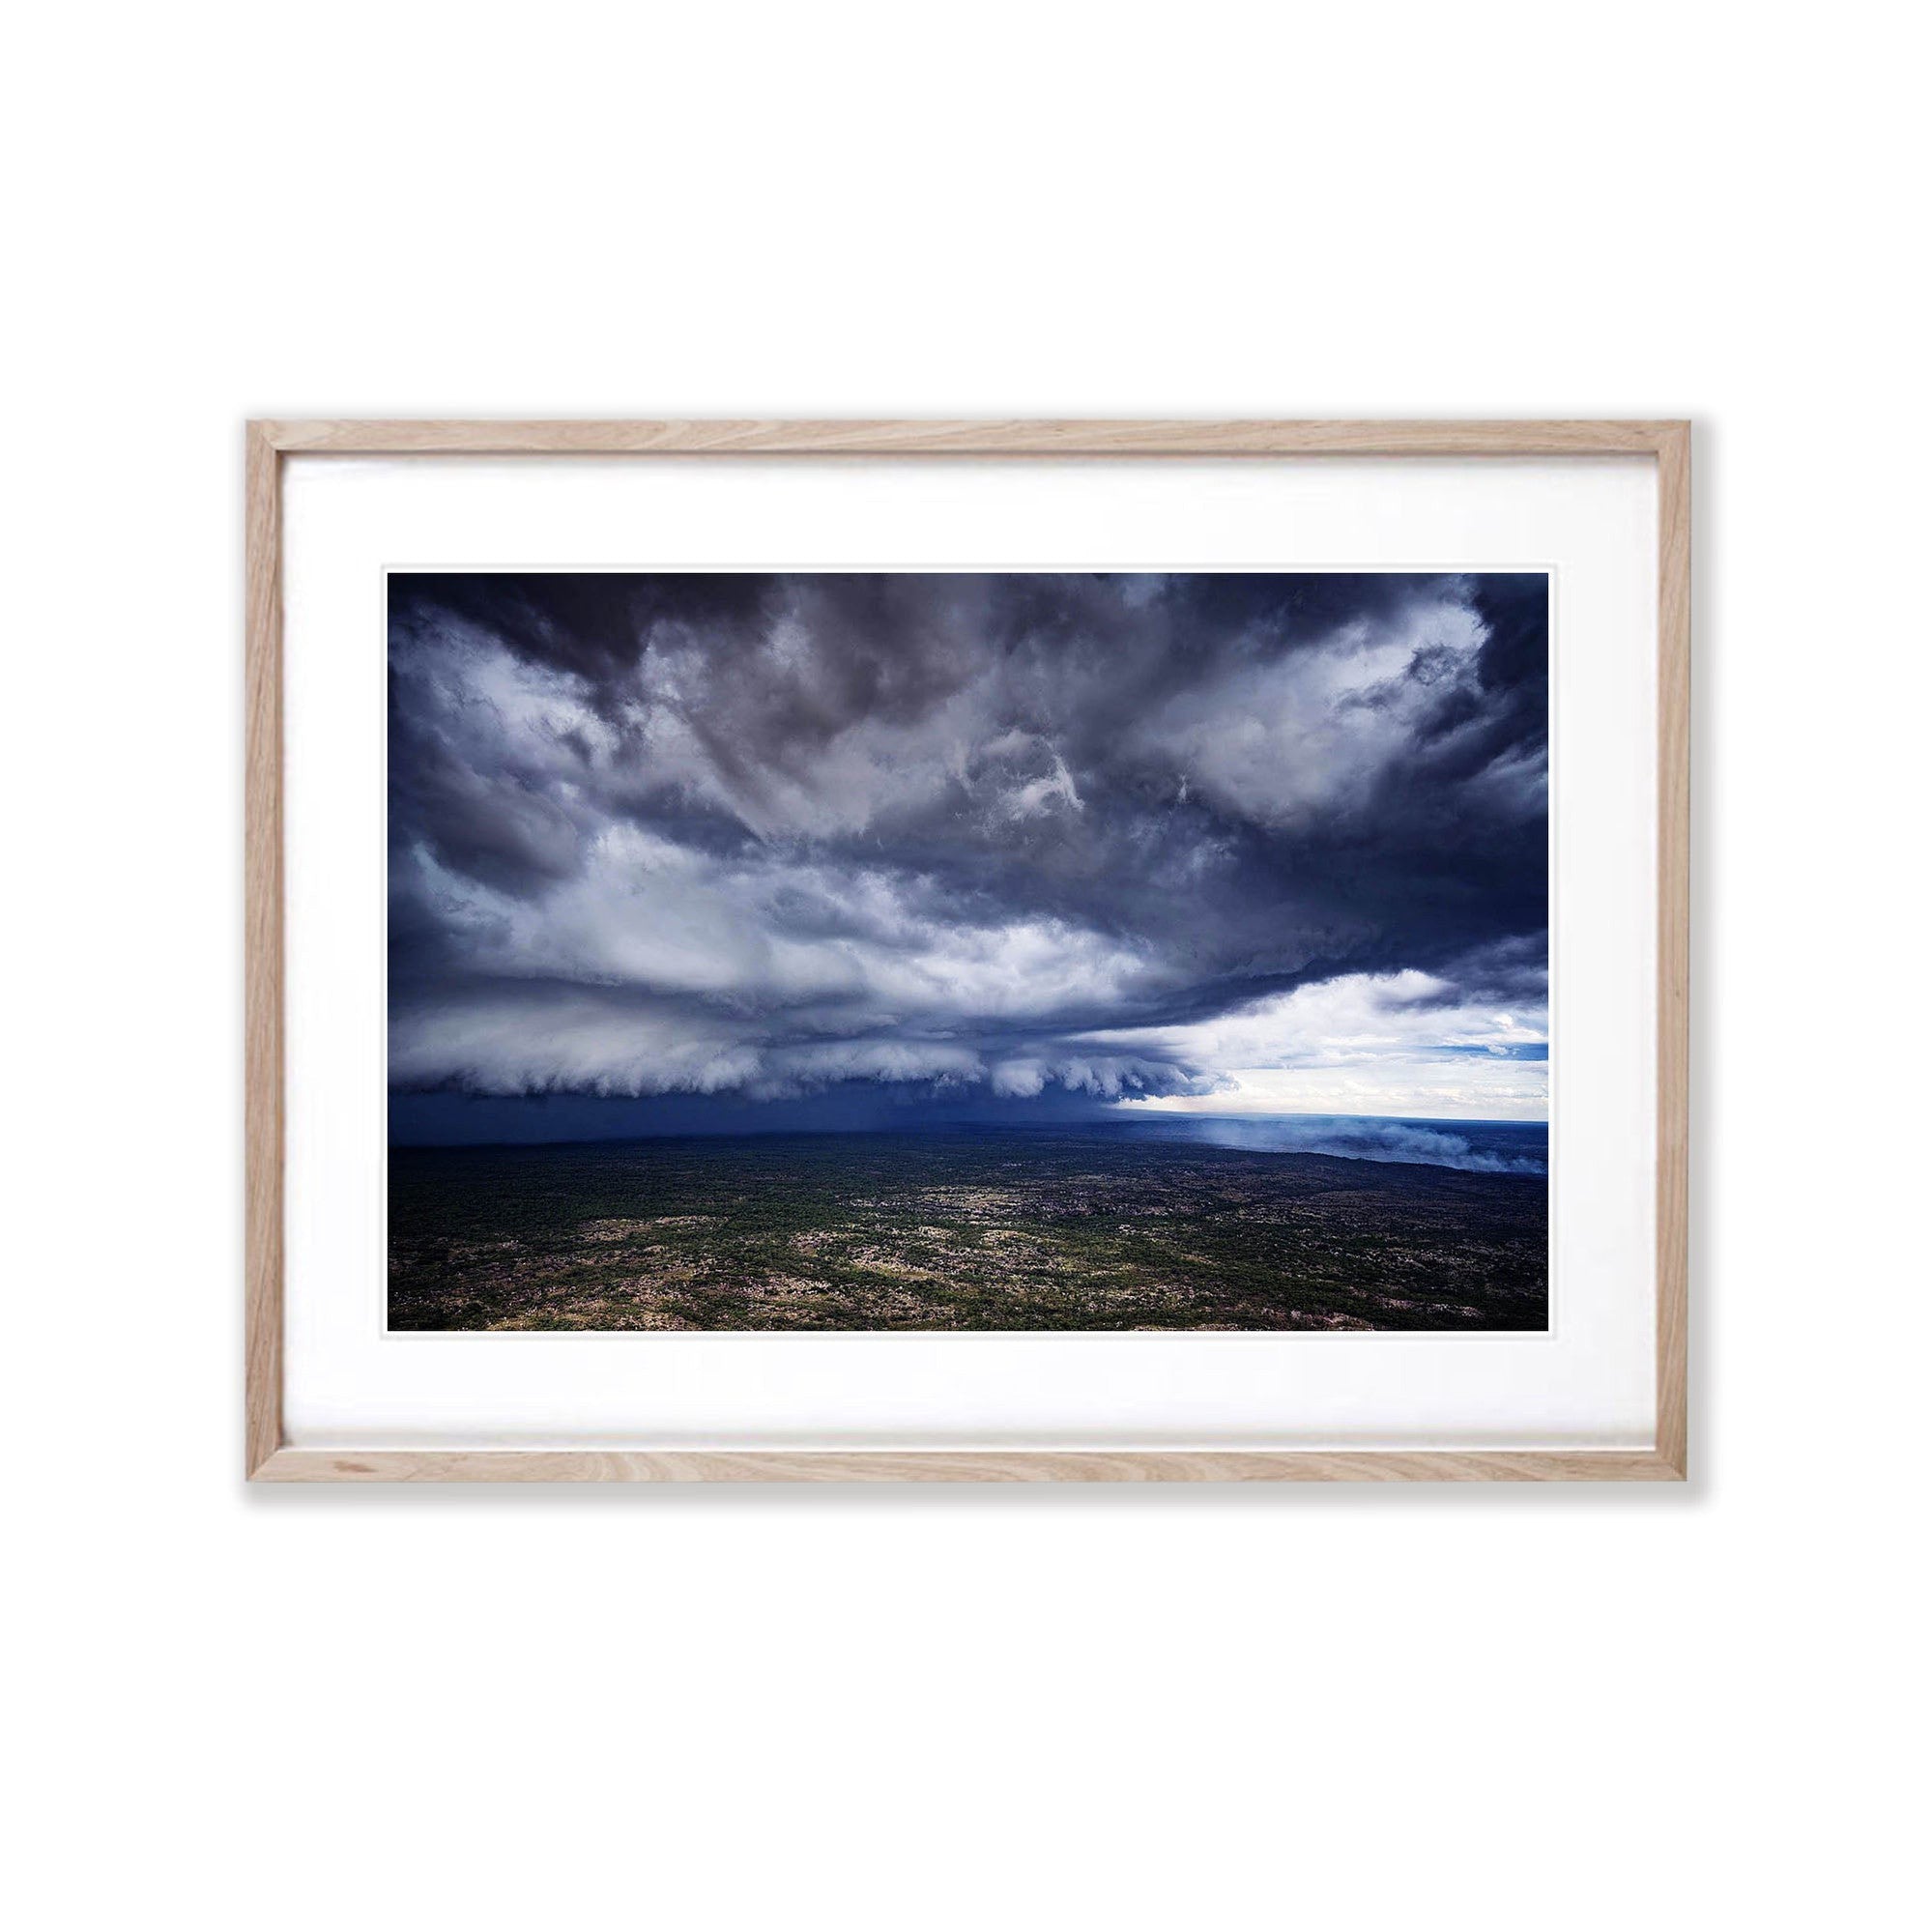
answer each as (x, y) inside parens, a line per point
(269, 1458)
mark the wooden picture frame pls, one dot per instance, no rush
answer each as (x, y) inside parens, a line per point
(269, 1458)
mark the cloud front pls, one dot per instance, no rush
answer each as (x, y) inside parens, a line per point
(1227, 843)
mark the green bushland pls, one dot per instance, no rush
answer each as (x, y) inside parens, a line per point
(969, 1230)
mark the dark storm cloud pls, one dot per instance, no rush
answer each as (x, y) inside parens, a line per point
(764, 835)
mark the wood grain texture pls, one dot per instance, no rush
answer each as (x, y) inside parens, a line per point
(263, 966)
(269, 1459)
(1171, 438)
(1673, 947)
(993, 1465)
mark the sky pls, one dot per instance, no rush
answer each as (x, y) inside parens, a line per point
(673, 851)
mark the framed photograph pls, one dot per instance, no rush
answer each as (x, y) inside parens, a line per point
(967, 951)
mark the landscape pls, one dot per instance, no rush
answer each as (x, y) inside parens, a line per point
(1076, 1228)
(915, 953)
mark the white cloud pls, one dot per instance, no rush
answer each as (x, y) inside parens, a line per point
(685, 966)
(1418, 1090)
(779, 932)
(1316, 729)
(1392, 1043)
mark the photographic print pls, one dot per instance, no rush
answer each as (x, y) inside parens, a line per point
(1009, 951)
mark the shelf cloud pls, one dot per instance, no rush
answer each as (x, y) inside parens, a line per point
(1216, 842)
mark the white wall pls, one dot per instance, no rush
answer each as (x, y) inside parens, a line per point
(1337, 1709)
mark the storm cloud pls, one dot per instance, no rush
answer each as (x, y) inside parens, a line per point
(1197, 840)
